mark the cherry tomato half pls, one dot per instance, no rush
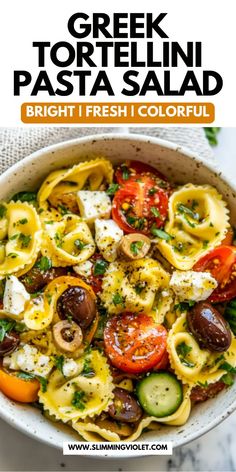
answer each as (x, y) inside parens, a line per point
(133, 170)
(20, 390)
(140, 205)
(134, 343)
(221, 263)
(163, 363)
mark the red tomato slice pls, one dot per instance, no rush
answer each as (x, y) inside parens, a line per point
(132, 170)
(221, 263)
(134, 343)
(139, 205)
(163, 363)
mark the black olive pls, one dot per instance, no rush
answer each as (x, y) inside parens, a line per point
(77, 303)
(9, 343)
(36, 279)
(209, 327)
(124, 407)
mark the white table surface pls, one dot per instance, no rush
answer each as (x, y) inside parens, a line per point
(215, 451)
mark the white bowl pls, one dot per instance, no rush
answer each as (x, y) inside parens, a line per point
(179, 165)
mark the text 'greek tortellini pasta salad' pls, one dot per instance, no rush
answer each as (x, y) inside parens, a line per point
(117, 298)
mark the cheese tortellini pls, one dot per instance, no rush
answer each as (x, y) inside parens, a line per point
(198, 221)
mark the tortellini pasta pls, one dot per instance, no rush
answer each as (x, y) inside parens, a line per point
(192, 364)
(68, 241)
(138, 284)
(89, 175)
(80, 396)
(198, 221)
(20, 234)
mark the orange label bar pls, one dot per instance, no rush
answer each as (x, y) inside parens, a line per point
(117, 113)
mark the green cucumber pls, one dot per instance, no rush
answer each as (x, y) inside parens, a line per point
(160, 394)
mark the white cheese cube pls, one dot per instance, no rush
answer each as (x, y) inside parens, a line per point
(84, 269)
(190, 285)
(29, 359)
(93, 205)
(70, 368)
(15, 296)
(107, 237)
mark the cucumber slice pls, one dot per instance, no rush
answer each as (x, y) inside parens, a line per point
(160, 394)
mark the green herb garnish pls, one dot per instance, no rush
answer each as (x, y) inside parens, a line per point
(79, 244)
(211, 134)
(112, 189)
(12, 255)
(59, 362)
(125, 172)
(63, 210)
(43, 263)
(135, 247)
(87, 371)
(228, 367)
(184, 306)
(25, 197)
(160, 233)
(152, 191)
(5, 327)
(23, 221)
(100, 267)
(183, 350)
(230, 314)
(118, 299)
(24, 240)
(3, 211)
(78, 400)
(187, 211)
(228, 379)
(155, 212)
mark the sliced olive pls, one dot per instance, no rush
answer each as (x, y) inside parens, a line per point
(9, 343)
(124, 407)
(67, 336)
(77, 303)
(135, 245)
(36, 279)
(209, 327)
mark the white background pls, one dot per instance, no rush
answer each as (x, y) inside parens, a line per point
(25, 21)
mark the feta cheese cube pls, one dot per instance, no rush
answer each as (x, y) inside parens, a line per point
(29, 359)
(70, 368)
(190, 285)
(15, 296)
(93, 205)
(84, 269)
(107, 237)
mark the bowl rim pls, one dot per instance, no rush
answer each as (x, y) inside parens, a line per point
(142, 138)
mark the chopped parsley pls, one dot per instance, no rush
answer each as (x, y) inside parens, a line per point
(160, 233)
(205, 244)
(131, 220)
(88, 370)
(5, 327)
(24, 240)
(187, 211)
(63, 210)
(118, 300)
(100, 267)
(152, 191)
(59, 362)
(79, 244)
(155, 212)
(58, 239)
(125, 172)
(25, 197)
(183, 350)
(12, 255)
(184, 306)
(228, 379)
(3, 211)
(23, 221)
(135, 247)
(139, 288)
(228, 367)
(112, 189)
(28, 376)
(78, 400)
(44, 263)
(211, 134)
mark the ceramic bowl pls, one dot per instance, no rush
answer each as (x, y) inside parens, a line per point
(179, 165)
